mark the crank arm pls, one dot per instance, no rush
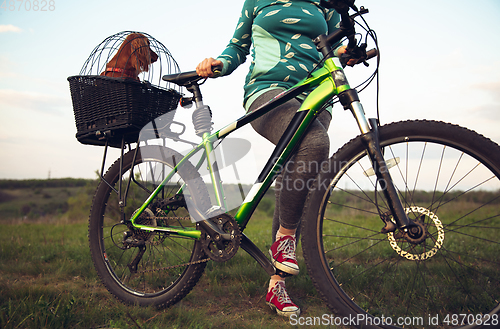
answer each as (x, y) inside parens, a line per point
(257, 254)
(209, 227)
(214, 230)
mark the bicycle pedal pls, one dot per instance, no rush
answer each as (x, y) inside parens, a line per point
(283, 274)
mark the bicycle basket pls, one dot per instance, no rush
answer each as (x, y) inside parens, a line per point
(108, 109)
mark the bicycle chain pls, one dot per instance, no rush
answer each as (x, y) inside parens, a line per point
(169, 218)
(175, 266)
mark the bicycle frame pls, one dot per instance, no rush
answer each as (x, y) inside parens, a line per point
(323, 84)
(153, 252)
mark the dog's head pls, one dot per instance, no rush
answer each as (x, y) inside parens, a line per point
(133, 57)
(141, 54)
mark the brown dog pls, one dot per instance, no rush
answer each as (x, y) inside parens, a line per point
(133, 57)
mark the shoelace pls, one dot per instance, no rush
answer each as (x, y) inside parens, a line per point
(287, 247)
(280, 292)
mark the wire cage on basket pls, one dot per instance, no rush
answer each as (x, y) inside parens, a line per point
(120, 89)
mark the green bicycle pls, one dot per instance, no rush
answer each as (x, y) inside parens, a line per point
(402, 221)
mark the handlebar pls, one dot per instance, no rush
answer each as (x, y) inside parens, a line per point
(217, 70)
(353, 51)
(371, 53)
(359, 54)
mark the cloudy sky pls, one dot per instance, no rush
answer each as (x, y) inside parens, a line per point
(440, 60)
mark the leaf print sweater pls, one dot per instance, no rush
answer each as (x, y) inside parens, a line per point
(281, 34)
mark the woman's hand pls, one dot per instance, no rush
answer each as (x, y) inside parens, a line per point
(342, 50)
(204, 69)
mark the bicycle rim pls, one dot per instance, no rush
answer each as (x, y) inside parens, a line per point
(143, 267)
(448, 180)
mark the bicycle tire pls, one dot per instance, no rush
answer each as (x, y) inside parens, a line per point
(170, 265)
(384, 280)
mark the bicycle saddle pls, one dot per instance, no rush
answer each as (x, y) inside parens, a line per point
(183, 79)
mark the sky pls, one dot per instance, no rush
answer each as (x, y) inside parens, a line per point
(439, 61)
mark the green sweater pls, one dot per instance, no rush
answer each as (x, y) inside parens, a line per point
(281, 33)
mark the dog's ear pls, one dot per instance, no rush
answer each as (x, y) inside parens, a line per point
(140, 48)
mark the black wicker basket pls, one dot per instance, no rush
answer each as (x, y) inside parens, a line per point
(108, 108)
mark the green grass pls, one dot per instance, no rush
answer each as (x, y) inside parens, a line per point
(33, 199)
(47, 280)
(461, 277)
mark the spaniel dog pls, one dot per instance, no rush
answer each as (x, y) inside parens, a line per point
(133, 57)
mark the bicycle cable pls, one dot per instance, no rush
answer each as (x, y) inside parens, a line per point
(370, 33)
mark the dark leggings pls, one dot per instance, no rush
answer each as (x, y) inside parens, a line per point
(291, 185)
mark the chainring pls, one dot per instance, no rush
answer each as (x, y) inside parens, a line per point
(217, 248)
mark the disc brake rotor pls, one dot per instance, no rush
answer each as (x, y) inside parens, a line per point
(429, 245)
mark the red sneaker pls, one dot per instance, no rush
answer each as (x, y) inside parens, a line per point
(277, 298)
(283, 255)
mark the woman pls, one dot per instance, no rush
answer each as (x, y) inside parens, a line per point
(281, 32)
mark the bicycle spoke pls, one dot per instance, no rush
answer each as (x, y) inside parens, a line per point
(452, 196)
(142, 264)
(459, 279)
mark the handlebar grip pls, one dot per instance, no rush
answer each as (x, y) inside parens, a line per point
(351, 59)
(217, 70)
(371, 53)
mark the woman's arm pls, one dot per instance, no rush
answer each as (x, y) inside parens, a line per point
(238, 48)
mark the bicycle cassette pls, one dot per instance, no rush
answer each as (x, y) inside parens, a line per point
(217, 247)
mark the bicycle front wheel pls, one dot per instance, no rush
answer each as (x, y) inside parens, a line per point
(147, 267)
(448, 179)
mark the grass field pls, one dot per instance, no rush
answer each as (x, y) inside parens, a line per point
(47, 279)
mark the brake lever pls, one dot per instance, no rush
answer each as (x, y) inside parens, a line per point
(358, 53)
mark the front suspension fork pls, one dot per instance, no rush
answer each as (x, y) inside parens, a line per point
(369, 129)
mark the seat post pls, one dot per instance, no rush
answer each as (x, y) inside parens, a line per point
(194, 88)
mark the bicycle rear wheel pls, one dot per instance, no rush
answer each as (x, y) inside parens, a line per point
(142, 267)
(448, 179)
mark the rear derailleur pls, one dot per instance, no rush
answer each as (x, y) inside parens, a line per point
(134, 238)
